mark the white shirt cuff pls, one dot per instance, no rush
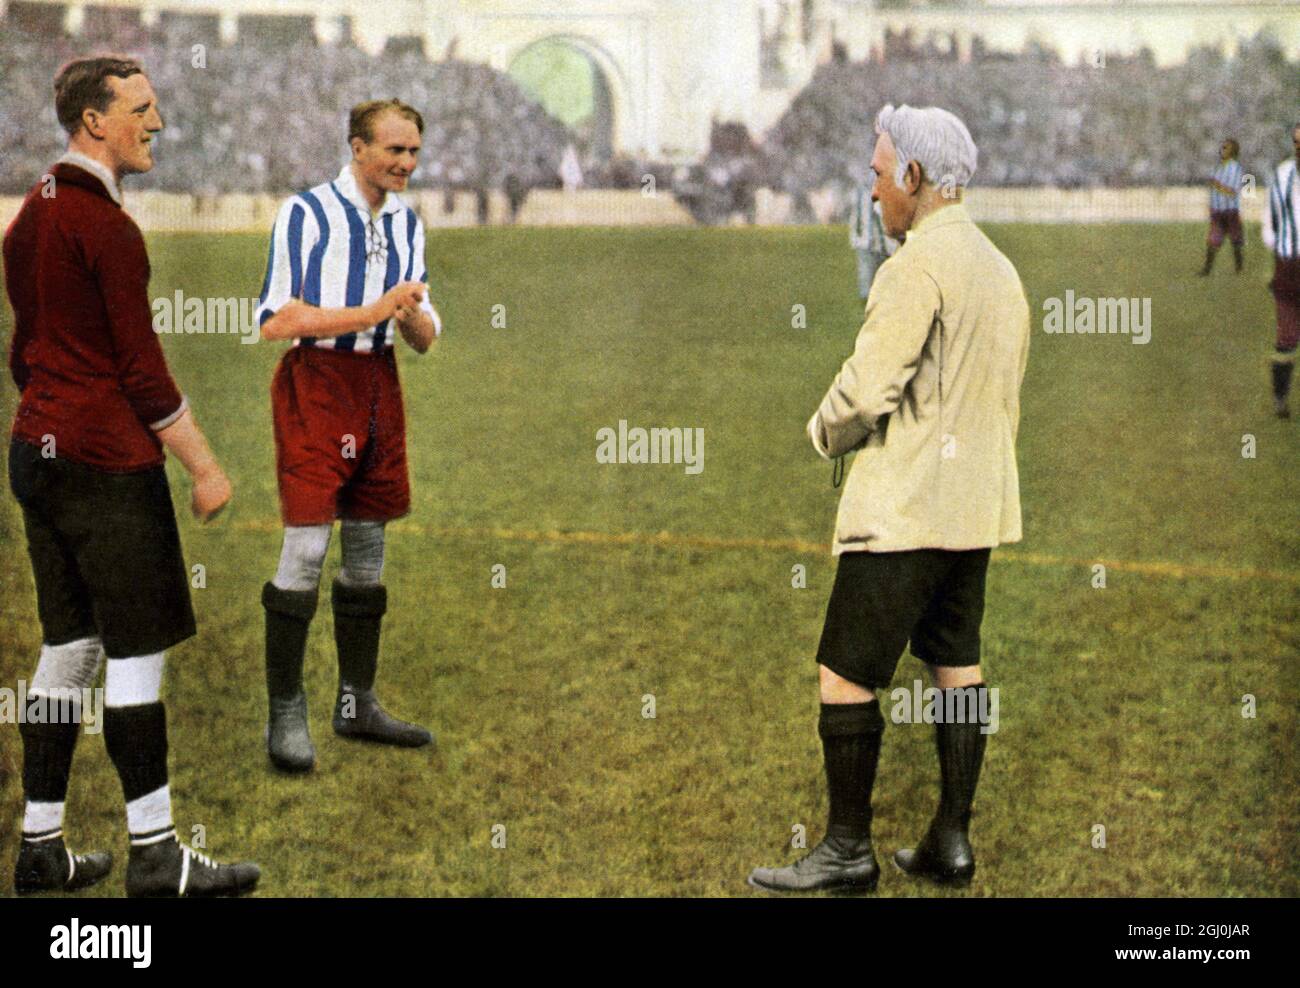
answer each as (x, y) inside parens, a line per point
(426, 306)
(815, 434)
(171, 419)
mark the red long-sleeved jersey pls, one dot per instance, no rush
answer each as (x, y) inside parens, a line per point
(84, 353)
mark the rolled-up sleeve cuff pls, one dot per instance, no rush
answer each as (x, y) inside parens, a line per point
(171, 419)
(426, 306)
(817, 437)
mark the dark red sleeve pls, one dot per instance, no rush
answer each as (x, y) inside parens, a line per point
(17, 248)
(17, 365)
(122, 268)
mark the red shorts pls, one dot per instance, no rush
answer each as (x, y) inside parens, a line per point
(340, 437)
(1286, 293)
(1225, 222)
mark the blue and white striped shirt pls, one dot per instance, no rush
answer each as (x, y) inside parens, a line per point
(866, 231)
(1228, 173)
(329, 250)
(1281, 227)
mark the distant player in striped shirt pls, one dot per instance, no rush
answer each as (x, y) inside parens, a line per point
(346, 276)
(1281, 235)
(1225, 206)
(867, 237)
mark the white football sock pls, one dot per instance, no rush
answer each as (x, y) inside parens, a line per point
(133, 681)
(38, 818)
(150, 816)
(72, 665)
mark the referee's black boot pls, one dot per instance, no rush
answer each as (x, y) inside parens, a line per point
(46, 865)
(945, 854)
(841, 862)
(288, 619)
(170, 869)
(358, 614)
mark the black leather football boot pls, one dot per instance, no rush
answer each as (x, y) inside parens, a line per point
(46, 865)
(838, 863)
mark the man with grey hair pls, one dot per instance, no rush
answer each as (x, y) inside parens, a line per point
(930, 400)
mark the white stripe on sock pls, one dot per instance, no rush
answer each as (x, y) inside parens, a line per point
(40, 817)
(150, 812)
(129, 682)
(169, 834)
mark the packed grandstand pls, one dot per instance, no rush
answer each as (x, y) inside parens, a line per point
(1125, 123)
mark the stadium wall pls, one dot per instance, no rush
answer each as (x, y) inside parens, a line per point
(166, 212)
(1172, 204)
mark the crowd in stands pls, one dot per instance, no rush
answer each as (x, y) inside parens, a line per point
(1117, 121)
(223, 134)
(1107, 121)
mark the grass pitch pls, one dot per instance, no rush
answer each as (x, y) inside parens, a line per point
(1120, 707)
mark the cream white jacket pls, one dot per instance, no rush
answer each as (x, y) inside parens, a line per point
(930, 398)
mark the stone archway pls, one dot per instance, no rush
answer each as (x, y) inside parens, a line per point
(579, 84)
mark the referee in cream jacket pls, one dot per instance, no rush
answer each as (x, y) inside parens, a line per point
(930, 400)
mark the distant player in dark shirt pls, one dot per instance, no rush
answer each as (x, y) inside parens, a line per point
(97, 407)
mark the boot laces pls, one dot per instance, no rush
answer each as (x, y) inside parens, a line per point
(202, 859)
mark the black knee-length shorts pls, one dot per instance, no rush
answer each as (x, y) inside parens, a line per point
(882, 601)
(105, 552)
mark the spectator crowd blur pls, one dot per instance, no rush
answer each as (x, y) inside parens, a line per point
(268, 114)
(1108, 121)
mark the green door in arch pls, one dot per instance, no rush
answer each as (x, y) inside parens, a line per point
(571, 87)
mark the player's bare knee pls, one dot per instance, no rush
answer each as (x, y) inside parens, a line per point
(836, 689)
(954, 677)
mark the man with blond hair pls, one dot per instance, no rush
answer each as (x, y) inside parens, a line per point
(346, 276)
(930, 401)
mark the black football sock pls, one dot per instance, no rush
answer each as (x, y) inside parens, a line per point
(1282, 379)
(136, 739)
(358, 614)
(1209, 259)
(288, 620)
(851, 734)
(1237, 256)
(47, 762)
(961, 753)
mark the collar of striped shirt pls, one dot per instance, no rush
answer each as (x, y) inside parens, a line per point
(346, 183)
(101, 172)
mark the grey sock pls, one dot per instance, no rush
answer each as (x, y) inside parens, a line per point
(363, 553)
